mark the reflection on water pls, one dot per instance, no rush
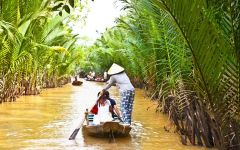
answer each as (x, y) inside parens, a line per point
(45, 122)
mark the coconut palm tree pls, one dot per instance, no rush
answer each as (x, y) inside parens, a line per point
(32, 39)
(214, 55)
(191, 52)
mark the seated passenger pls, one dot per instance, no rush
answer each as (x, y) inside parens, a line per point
(115, 112)
(103, 112)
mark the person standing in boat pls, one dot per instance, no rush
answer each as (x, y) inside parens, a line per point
(126, 89)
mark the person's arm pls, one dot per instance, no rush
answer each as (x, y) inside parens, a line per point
(115, 108)
(110, 83)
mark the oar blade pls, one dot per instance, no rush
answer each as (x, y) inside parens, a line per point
(74, 134)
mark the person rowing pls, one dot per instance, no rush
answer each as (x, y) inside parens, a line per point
(126, 89)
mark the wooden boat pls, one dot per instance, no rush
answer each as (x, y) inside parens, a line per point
(94, 80)
(77, 83)
(106, 129)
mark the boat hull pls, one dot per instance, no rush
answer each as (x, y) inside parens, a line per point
(106, 129)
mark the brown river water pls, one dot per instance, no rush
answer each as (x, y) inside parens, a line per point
(45, 122)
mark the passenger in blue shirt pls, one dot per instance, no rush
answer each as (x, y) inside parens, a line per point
(115, 112)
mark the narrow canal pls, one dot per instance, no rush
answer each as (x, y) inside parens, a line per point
(45, 121)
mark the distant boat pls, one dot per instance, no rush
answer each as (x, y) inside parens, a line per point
(95, 80)
(77, 83)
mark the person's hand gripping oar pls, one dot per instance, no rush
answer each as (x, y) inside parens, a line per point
(118, 116)
(75, 132)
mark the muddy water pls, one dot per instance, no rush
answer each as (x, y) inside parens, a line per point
(44, 122)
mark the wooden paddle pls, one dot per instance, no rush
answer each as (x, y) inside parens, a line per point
(75, 132)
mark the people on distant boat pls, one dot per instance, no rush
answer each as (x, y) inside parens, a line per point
(105, 75)
(89, 76)
(103, 110)
(93, 74)
(93, 77)
(99, 79)
(127, 92)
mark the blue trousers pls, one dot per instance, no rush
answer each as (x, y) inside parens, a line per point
(126, 105)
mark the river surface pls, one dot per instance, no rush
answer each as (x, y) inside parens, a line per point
(45, 122)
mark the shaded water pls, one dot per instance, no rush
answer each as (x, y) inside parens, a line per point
(47, 120)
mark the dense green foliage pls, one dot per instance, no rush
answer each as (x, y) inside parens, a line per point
(36, 49)
(184, 49)
(185, 53)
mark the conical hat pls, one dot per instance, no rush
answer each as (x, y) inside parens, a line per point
(114, 69)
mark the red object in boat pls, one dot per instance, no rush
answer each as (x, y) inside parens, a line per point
(94, 110)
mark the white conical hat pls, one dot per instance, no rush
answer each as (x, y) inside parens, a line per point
(114, 69)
